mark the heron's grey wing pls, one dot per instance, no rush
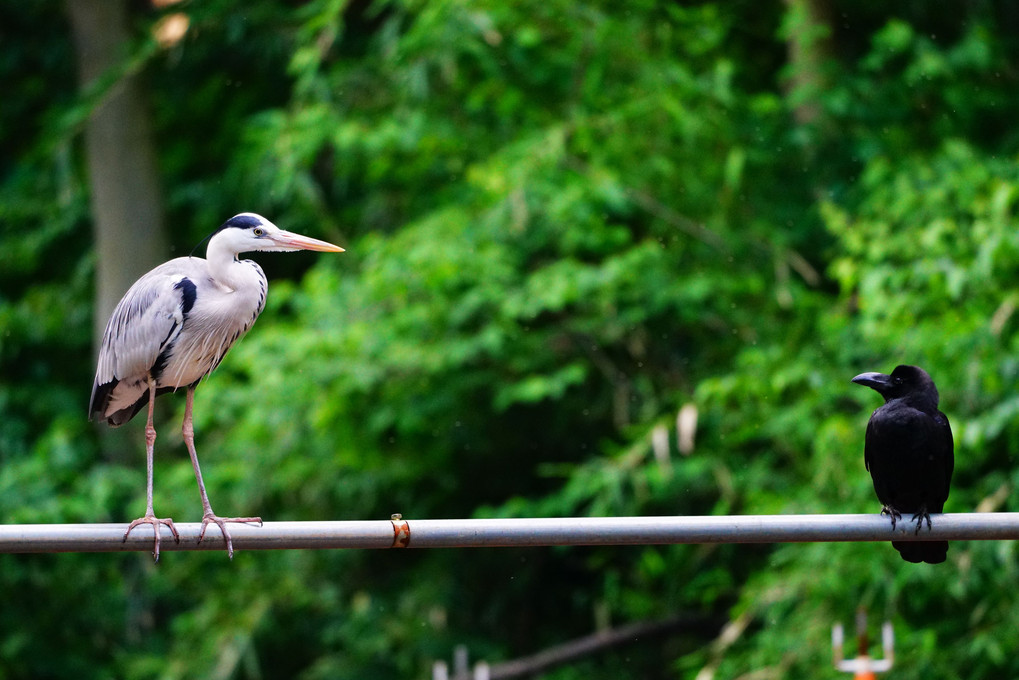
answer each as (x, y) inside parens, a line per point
(146, 320)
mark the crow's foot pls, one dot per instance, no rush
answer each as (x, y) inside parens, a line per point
(919, 518)
(891, 512)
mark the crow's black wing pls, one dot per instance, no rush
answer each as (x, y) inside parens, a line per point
(909, 455)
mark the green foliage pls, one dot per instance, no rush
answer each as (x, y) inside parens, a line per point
(565, 222)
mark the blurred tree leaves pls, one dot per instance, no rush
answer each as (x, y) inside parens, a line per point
(564, 223)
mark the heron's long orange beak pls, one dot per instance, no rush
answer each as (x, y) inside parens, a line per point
(289, 239)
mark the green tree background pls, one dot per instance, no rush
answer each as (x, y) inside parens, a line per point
(564, 221)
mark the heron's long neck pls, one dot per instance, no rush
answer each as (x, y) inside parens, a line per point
(224, 267)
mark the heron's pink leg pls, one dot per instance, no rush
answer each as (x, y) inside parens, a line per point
(150, 516)
(208, 515)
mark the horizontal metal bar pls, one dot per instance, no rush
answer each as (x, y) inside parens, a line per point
(475, 533)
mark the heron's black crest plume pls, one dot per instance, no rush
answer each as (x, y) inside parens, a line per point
(242, 221)
(202, 242)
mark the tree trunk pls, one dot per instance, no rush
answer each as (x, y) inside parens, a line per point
(127, 210)
(808, 29)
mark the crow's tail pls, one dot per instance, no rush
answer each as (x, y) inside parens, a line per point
(932, 552)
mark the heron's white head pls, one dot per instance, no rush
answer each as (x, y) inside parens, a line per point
(249, 232)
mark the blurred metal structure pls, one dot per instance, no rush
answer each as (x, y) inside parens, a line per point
(398, 532)
(561, 654)
(863, 667)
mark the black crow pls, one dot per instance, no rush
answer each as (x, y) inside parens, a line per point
(909, 452)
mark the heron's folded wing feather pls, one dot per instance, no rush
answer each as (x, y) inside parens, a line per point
(146, 320)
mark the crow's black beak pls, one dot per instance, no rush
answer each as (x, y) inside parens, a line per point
(877, 381)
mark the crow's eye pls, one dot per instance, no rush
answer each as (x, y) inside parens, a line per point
(258, 231)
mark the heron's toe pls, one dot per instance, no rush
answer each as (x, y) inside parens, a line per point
(155, 522)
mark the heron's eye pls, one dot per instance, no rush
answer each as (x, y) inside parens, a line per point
(258, 231)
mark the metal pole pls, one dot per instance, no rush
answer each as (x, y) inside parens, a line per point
(476, 533)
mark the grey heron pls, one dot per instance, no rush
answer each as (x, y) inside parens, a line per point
(173, 327)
